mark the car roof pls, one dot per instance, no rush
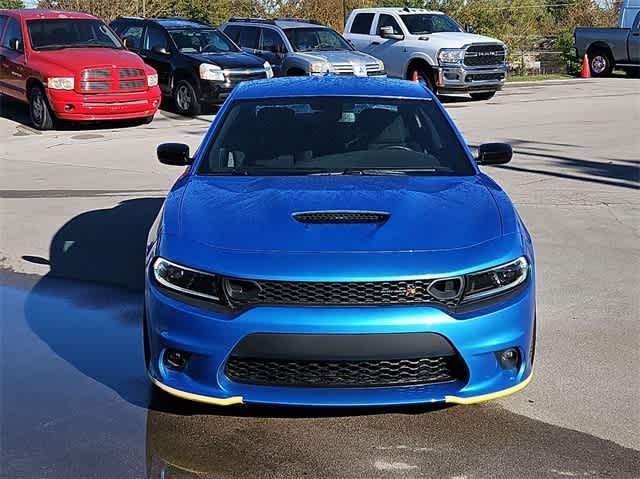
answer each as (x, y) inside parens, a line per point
(37, 13)
(330, 85)
(169, 22)
(277, 22)
(398, 10)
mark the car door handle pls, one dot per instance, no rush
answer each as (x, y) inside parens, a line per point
(636, 34)
(375, 43)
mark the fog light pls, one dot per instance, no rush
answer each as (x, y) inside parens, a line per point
(68, 107)
(174, 359)
(509, 358)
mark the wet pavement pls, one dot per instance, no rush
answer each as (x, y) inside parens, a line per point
(76, 404)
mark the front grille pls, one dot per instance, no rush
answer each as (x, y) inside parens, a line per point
(130, 72)
(340, 217)
(484, 55)
(95, 85)
(236, 76)
(131, 84)
(374, 69)
(334, 294)
(96, 73)
(369, 373)
(484, 77)
(343, 69)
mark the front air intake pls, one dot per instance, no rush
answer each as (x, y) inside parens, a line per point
(341, 217)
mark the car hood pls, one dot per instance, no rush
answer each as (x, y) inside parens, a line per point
(228, 60)
(338, 57)
(255, 213)
(76, 59)
(449, 39)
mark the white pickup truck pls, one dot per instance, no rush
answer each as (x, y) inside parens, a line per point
(431, 45)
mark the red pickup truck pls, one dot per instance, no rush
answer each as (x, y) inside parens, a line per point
(71, 66)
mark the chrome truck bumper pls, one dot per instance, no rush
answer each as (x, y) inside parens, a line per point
(461, 79)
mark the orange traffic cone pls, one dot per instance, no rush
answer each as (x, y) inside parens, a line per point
(585, 71)
(414, 77)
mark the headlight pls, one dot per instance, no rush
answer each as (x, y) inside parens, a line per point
(495, 280)
(61, 83)
(186, 280)
(211, 72)
(450, 56)
(268, 69)
(323, 67)
(152, 80)
(380, 65)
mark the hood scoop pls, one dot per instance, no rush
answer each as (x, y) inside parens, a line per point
(341, 217)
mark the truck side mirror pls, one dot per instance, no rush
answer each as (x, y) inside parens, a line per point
(494, 154)
(388, 34)
(468, 28)
(15, 44)
(176, 154)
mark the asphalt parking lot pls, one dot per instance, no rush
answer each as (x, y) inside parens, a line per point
(75, 208)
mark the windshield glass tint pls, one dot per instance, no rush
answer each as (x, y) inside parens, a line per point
(335, 135)
(70, 33)
(314, 39)
(427, 23)
(202, 41)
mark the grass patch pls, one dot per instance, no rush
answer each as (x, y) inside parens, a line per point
(548, 76)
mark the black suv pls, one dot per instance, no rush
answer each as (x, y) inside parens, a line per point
(196, 63)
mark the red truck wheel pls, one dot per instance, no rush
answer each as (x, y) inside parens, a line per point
(39, 109)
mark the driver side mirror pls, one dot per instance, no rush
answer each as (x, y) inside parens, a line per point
(159, 50)
(388, 33)
(494, 154)
(468, 28)
(15, 44)
(176, 154)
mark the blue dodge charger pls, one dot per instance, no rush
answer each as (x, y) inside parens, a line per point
(333, 243)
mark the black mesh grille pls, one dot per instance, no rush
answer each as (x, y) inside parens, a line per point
(346, 373)
(341, 217)
(340, 293)
(236, 77)
(484, 55)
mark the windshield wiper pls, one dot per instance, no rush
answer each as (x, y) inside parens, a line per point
(376, 172)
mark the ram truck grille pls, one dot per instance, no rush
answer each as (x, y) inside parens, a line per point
(112, 80)
(485, 55)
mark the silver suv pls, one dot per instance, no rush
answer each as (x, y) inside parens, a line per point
(296, 47)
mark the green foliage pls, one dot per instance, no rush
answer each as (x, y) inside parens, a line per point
(11, 4)
(564, 43)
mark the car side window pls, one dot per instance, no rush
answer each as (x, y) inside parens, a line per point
(362, 23)
(3, 21)
(636, 23)
(132, 34)
(233, 32)
(13, 33)
(388, 21)
(249, 37)
(156, 39)
(272, 41)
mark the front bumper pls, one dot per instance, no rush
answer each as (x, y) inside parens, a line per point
(216, 91)
(461, 79)
(210, 337)
(69, 105)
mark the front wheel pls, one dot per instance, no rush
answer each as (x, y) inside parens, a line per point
(186, 100)
(424, 76)
(488, 95)
(601, 63)
(39, 110)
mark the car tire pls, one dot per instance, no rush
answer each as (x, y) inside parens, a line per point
(483, 96)
(185, 99)
(39, 110)
(425, 76)
(600, 62)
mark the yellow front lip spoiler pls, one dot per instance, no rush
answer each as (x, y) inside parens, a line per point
(197, 397)
(490, 396)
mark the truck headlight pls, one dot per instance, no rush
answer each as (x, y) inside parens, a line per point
(320, 67)
(495, 280)
(186, 280)
(208, 71)
(451, 56)
(268, 69)
(61, 83)
(152, 80)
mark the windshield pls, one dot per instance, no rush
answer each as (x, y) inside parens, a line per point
(316, 39)
(418, 24)
(202, 41)
(335, 135)
(70, 33)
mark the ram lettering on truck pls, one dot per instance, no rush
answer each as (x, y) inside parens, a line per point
(431, 45)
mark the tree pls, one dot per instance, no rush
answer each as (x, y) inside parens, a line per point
(11, 4)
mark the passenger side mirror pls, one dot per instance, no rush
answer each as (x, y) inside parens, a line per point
(494, 154)
(129, 42)
(468, 28)
(15, 44)
(176, 154)
(159, 50)
(388, 33)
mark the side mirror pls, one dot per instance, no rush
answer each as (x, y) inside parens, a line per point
(468, 28)
(388, 33)
(15, 44)
(176, 154)
(160, 50)
(129, 42)
(494, 154)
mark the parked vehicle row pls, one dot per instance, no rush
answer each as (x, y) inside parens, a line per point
(193, 64)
